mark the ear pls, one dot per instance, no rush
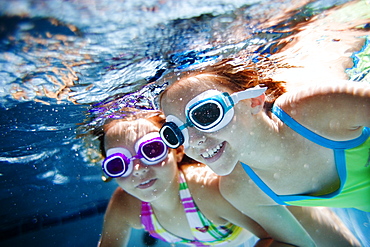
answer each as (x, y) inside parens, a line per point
(179, 153)
(257, 103)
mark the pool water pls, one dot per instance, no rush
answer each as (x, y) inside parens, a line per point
(58, 57)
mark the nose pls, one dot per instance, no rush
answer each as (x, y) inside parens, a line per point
(140, 169)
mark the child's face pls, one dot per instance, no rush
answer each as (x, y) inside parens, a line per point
(219, 149)
(146, 182)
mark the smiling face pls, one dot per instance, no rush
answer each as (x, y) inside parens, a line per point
(219, 149)
(146, 182)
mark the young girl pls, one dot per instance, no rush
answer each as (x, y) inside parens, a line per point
(155, 194)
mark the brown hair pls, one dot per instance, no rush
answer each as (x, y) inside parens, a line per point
(238, 75)
(155, 117)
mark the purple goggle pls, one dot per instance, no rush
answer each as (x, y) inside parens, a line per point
(150, 149)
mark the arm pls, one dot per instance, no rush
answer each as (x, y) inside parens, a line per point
(232, 215)
(114, 233)
(276, 220)
(281, 225)
(265, 225)
(270, 243)
(120, 217)
(324, 226)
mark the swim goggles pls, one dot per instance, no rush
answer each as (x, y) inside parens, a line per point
(150, 149)
(210, 111)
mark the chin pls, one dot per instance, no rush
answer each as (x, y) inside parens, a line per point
(221, 170)
(150, 195)
(222, 166)
(149, 198)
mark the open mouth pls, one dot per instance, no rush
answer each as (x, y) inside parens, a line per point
(215, 153)
(147, 184)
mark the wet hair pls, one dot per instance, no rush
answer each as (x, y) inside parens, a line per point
(237, 75)
(155, 117)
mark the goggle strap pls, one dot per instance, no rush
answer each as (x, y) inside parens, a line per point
(229, 101)
(185, 125)
(248, 94)
(138, 156)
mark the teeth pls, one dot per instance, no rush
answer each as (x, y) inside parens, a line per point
(146, 182)
(212, 152)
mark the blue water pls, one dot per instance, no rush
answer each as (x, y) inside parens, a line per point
(58, 57)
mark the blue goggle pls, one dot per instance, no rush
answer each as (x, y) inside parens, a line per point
(210, 111)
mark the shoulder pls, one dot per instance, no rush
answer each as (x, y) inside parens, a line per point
(120, 216)
(203, 184)
(335, 110)
(125, 208)
(239, 189)
(200, 178)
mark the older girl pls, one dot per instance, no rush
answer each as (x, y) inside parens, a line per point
(309, 148)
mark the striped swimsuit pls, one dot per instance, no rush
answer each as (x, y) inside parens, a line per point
(205, 233)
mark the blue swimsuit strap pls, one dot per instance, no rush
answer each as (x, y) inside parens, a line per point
(339, 155)
(312, 136)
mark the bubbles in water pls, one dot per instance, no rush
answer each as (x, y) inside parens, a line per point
(334, 124)
(314, 181)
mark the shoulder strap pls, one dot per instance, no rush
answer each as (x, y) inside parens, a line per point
(312, 136)
(203, 230)
(151, 225)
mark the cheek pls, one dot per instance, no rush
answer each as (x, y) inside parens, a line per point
(171, 164)
(124, 182)
(166, 167)
(194, 154)
(232, 133)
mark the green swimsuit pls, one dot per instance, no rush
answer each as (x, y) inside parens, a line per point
(352, 159)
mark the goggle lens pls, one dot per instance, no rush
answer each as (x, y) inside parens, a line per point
(171, 135)
(153, 150)
(116, 165)
(206, 114)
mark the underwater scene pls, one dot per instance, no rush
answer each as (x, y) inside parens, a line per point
(66, 66)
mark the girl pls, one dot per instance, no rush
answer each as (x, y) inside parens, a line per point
(310, 148)
(154, 194)
(307, 147)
